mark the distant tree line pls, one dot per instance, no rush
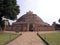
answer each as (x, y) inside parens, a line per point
(56, 25)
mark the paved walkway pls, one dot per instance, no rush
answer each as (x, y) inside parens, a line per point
(27, 38)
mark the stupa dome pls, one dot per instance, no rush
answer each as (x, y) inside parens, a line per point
(31, 22)
(29, 17)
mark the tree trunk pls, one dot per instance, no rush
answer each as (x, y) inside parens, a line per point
(1, 23)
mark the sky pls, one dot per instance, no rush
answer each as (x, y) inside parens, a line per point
(48, 10)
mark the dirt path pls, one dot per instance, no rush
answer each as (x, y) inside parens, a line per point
(27, 38)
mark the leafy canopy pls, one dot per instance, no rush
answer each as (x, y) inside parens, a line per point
(59, 20)
(9, 9)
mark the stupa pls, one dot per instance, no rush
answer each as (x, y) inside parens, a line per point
(31, 22)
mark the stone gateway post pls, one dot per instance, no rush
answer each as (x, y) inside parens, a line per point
(6, 23)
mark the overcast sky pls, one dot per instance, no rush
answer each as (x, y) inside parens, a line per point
(48, 10)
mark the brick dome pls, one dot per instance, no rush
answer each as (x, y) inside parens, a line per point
(29, 17)
(31, 22)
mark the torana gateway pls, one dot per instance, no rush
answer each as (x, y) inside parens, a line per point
(31, 22)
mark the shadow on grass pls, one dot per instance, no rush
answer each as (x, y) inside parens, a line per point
(43, 39)
(13, 39)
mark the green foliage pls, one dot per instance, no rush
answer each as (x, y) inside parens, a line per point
(59, 20)
(9, 9)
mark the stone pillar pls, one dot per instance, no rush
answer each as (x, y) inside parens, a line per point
(33, 27)
(6, 25)
(27, 27)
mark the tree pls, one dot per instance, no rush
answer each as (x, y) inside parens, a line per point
(54, 23)
(59, 20)
(9, 9)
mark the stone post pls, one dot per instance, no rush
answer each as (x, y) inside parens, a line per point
(27, 27)
(34, 27)
(6, 24)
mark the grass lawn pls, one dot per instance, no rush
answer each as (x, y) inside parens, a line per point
(52, 38)
(4, 38)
